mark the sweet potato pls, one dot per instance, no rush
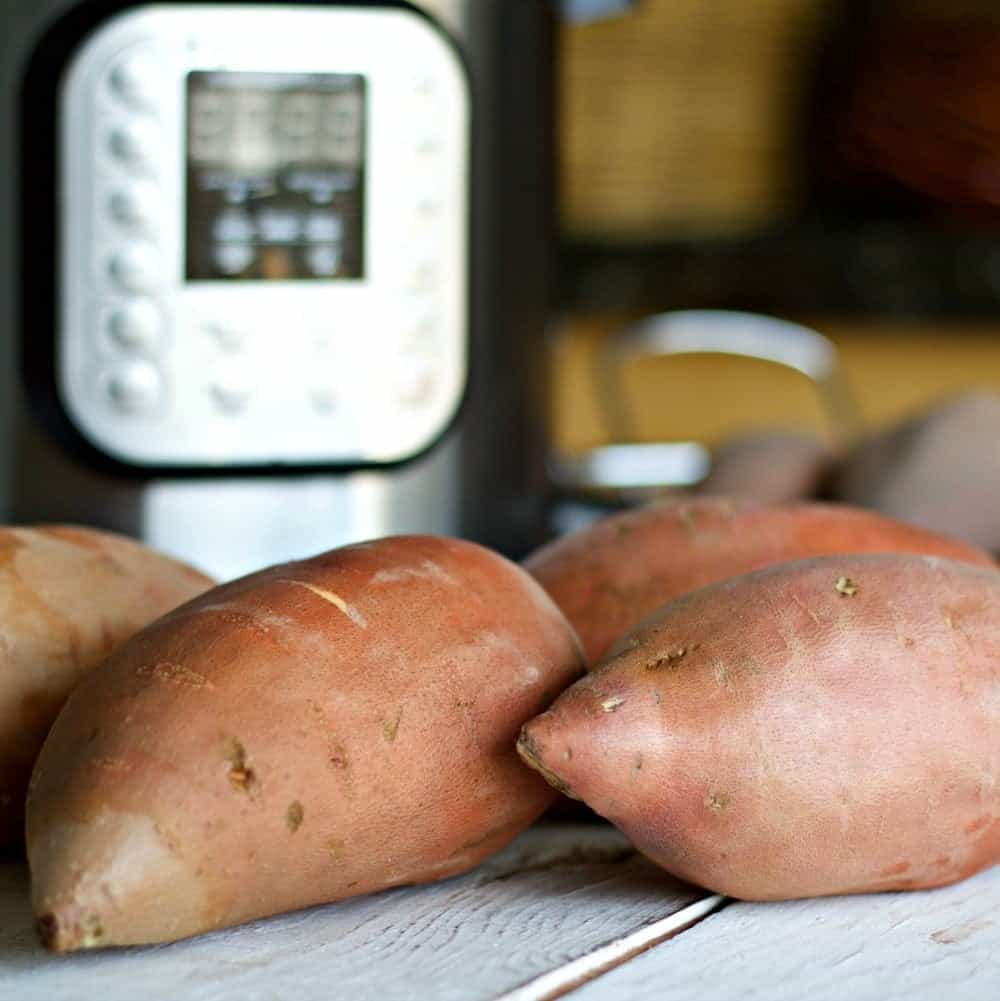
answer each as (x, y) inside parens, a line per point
(311, 732)
(771, 467)
(940, 470)
(608, 577)
(821, 727)
(68, 598)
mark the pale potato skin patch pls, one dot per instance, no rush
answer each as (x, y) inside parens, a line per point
(69, 597)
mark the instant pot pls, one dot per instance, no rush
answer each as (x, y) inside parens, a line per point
(279, 271)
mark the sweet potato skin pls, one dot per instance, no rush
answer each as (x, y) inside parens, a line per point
(69, 597)
(825, 727)
(312, 732)
(608, 577)
(939, 469)
(771, 467)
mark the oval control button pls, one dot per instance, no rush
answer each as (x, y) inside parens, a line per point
(425, 85)
(136, 206)
(420, 278)
(234, 226)
(231, 392)
(234, 258)
(427, 209)
(134, 145)
(135, 388)
(427, 143)
(420, 338)
(323, 399)
(228, 337)
(138, 79)
(137, 326)
(137, 268)
(324, 260)
(324, 227)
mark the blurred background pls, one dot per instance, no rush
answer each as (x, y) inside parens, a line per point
(832, 161)
(629, 196)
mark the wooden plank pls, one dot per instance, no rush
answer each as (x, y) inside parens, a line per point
(886, 947)
(557, 894)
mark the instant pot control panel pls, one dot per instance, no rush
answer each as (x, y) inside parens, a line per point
(263, 216)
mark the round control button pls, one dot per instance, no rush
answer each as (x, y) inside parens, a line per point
(137, 79)
(324, 259)
(137, 268)
(136, 206)
(135, 388)
(233, 226)
(134, 145)
(231, 391)
(137, 326)
(234, 258)
(279, 226)
(324, 227)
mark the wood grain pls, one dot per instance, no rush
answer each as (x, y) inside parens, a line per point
(558, 893)
(889, 947)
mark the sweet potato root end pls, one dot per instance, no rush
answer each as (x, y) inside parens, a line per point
(531, 756)
(62, 936)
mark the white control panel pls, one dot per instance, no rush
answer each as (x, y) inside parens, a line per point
(264, 217)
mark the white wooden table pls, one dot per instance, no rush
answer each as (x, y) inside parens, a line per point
(563, 904)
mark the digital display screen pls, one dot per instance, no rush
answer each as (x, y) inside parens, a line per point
(275, 176)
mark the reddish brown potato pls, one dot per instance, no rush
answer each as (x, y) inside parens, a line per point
(312, 732)
(827, 726)
(608, 577)
(68, 598)
(771, 467)
(940, 470)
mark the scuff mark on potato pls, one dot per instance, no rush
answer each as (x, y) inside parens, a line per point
(241, 775)
(390, 728)
(672, 658)
(294, 815)
(173, 674)
(334, 599)
(717, 801)
(338, 755)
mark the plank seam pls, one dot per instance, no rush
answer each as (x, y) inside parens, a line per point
(560, 981)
